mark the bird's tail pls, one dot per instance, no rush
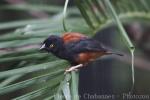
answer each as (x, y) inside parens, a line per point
(109, 51)
(114, 53)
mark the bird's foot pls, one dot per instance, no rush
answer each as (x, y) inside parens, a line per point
(73, 68)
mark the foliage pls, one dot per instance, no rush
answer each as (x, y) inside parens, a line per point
(27, 67)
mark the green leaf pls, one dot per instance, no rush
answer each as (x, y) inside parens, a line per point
(97, 16)
(66, 87)
(9, 80)
(29, 82)
(33, 68)
(36, 93)
(74, 85)
(33, 7)
(35, 56)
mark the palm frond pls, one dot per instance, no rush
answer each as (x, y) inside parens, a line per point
(19, 48)
(98, 12)
(98, 16)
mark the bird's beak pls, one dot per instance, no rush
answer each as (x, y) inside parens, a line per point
(42, 47)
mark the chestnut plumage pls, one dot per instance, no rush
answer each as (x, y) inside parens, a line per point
(75, 48)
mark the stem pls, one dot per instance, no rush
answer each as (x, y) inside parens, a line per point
(123, 34)
(120, 26)
(132, 65)
(64, 15)
(74, 85)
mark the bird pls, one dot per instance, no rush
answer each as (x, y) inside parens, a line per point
(76, 48)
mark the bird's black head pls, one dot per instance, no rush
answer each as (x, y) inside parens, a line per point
(53, 44)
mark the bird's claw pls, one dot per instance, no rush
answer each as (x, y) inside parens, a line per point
(73, 68)
(70, 70)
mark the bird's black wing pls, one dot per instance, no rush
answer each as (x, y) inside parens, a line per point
(85, 45)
